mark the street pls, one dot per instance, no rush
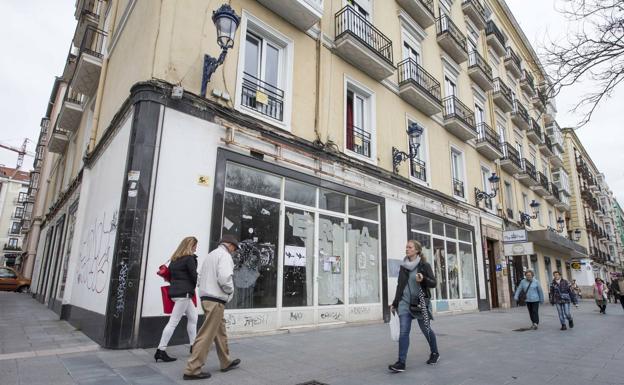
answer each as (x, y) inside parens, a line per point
(477, 348)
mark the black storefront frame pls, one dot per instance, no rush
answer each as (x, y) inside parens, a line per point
(224, 156)
(445, 220)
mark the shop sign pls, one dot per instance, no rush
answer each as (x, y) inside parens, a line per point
(524, 248)
(514, 236)
(575, 265)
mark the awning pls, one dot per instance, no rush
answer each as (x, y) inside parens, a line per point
(554, 241)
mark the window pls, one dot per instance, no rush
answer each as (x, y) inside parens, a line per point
(21, 198)
(363, 7)
(15, 228)
(548, 268)
(501, 131)
(265, 72)
(551, 222)
(411, 50)
(418, 146)
(359, 121)
(457, 173)
(19, 212)
(13, 242)
(509, 200)
(479, 115)
(525, 203)
(485, 175)
(450, 86)
(445, 7)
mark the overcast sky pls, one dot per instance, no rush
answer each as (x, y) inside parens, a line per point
(35, 41)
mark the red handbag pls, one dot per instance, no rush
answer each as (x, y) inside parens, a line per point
(163, 271)
(168, 302)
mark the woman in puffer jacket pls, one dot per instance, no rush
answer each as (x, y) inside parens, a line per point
(533, 296)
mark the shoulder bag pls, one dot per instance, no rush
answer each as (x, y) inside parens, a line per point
(164, 272)
(523, 295)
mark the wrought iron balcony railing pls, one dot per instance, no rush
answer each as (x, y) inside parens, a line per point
(510, 153)
(444, 24)
(359, 140)
(529, 169)
(348, 20)
(409, 70)
(475, 60)
(511, 55)
(454, 108)
(501, 88)
(262, 97)
(528, 78)
(492, 29)
(487, 134)
(418, 169)
(93, 42)
(458, 188)
(543, 180)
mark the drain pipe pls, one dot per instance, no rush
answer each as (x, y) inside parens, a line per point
(317, 117)
(100, 89)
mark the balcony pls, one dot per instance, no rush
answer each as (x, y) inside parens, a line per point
(488, 142)
(458, 188)
(528, 175)
(513, 63)
(556, 160)
(71, 111)
(359, 141)
(501, 94)
(459, 119)
(527, 84)
(25, 225)
(418, 169)
(363, 45)
(450, 38)
(262, 97)
(546, 147)
(553, 197)
(563, 203)
(520, 116)
(9, 247)
(554, 131)
(510, 161)
(87, 74)
(534, 133)
(475, 12)
(495, 38)
(479, 71)
(303, 14)
(88, 13)
(70, 66)
(419, 88)
(420, 10)
(543, 187)
(538, 101)
(58, 141)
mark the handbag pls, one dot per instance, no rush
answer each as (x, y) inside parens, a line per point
(523, 294)
(414, 307)
(168, 302)
(164, 272)
(395, 326)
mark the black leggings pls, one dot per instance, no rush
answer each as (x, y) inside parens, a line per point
(533, 311)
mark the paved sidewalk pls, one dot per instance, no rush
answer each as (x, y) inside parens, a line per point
(479, 348)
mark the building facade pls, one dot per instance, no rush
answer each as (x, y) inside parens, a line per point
(13, 197)
(593, 216)
(332, 133)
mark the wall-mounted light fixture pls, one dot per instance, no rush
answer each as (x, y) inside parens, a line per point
(576, 235)
(560, 223)
(525, 218)
(480, 195)
(226, 21)
(414, 130)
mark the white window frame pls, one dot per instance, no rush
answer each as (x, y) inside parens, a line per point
(464, 179)
(407, 36)
(424, 144)
(509, 197)
(251, 23)
(366, 5)
(352, 84)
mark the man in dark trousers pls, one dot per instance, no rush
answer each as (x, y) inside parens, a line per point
(216, 287)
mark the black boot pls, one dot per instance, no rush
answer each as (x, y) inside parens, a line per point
(571, 322)
(162, 355)
(564, 327)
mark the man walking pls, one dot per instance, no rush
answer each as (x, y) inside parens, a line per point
(620, 283)
(215, 290)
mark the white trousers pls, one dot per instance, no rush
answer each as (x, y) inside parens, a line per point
(181, 307)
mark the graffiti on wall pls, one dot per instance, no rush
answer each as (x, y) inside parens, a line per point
(96, 249)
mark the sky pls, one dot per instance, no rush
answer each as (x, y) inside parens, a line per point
(37, 33)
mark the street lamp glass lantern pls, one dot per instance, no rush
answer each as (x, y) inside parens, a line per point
(577, 235)
(494, 179)
(535, 207)
(560, 223)
(226, 21)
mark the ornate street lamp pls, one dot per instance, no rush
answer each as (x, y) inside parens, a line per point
(576, 235)
(480, 195)
(526, 218)
(226, 21)
(560, 223)
(413, 130)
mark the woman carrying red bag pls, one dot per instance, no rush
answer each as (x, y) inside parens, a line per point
(183, 278)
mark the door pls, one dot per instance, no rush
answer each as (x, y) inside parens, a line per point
(516, 271)
(491, 260)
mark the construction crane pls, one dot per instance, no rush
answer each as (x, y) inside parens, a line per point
(21, 151)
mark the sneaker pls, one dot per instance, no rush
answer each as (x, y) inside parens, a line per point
(564, 327)
(534, 327)
(571, 322)
(434, 358)
(397, 367)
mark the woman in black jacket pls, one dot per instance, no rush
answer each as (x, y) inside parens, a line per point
(183, 269)
(412, 301)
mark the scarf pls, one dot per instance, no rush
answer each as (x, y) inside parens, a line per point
(422, 300)
(600, 288)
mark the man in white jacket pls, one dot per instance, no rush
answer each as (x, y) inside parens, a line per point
(215, 290)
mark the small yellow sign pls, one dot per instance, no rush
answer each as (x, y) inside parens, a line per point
(575, 265)
(357, 141)
(203, 180)
(262, 98)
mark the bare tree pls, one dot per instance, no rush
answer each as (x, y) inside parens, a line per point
(594, 52)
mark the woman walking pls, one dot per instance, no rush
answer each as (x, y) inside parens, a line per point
(560, 295)
(183, 269)
(600, 295)
(412, 301)
(530, 291)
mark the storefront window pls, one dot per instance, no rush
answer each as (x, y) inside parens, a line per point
(451, 231)
(420, 223)
(439, 266)
(332, 201)
(298, 258)
(253, 181)
(255, 222)
(467, 271)
(438, 228)
(331, 259)
(363, 209)
(301, 193)
(453, 269)
(363, 262)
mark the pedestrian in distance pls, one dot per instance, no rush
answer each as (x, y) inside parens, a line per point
(576, 289)
(620, 283)
(561, 295)
(614, 289)
(216, 287)
(529, 291)
(601, 293)
(183, 270)
(412, 301)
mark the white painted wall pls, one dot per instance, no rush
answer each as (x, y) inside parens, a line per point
(396, 238)
(96, 225)
(181, 206)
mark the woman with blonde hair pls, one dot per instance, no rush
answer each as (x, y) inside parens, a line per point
(412, 301)
(183, 269)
